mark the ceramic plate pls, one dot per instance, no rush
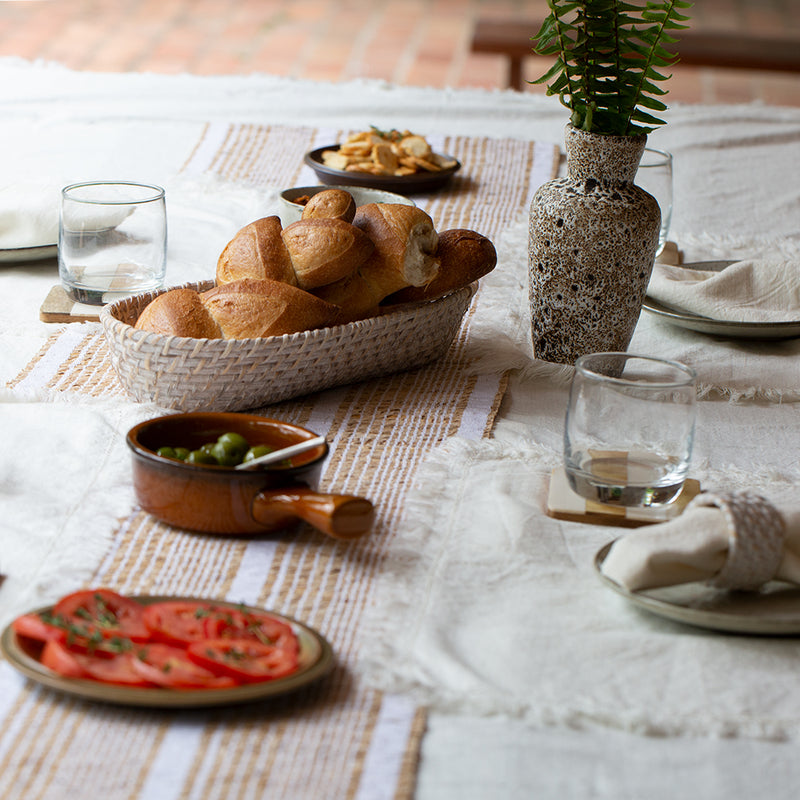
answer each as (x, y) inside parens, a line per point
(736, 330)
(19, 255)
(773, 610)
(405, 184)
(315, 660)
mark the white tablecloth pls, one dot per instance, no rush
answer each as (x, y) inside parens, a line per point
(737, 194)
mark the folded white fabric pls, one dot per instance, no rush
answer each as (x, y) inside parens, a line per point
(29, 215)
(758, 290)
(735, 541)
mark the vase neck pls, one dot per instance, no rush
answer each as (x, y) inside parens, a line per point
(606, 159)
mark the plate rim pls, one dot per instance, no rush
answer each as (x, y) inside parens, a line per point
(424, 180)
(318, 649)
(727, 622)
(19, 255)
(728, 328)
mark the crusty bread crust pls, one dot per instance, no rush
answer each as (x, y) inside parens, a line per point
(330, 204)
(246, 309)
(179, 312)
(257, 251)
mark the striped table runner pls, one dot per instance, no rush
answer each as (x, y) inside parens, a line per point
(337, 738)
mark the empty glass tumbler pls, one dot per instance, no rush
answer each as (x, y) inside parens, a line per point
(112, 240)
(629, 428)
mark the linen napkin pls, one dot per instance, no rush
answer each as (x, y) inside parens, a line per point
(756, 290)
(29, 215)
(703, 543)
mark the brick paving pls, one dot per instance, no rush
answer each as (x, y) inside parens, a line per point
(409, 42)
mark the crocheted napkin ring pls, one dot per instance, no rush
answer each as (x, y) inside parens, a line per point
(755, 538)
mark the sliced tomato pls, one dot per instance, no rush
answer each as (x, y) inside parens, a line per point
(169, 666)
(178, 621)
(116, 669)
(57, 658)
(244, 660)
(105, 612)
(78, 637)
(34, 626)
(243, 624)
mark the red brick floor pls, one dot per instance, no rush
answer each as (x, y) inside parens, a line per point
(410, 42)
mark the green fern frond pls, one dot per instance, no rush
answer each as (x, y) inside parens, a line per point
(608, 54)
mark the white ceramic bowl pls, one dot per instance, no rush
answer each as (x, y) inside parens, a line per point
(292, 211)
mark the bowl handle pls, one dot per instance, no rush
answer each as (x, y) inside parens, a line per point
(342, 516)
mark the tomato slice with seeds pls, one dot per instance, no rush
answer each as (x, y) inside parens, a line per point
(105, 612)
(34, 626)
(57, 658)
(178, 621)
(244, 660)
(116, 669)
(119, 670)
(78, 637)
(169, 666)
(263, 628)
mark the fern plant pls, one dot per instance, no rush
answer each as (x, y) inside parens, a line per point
(608, 56)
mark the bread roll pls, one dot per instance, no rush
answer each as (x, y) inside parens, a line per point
(179, 312)
(246, 309)
(464, 257)
(257, 251)
(404, 255)
(325, 250)
(405, 245)
(330, 204)
(307, 253)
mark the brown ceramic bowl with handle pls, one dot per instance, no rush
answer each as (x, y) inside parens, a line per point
(219, 499)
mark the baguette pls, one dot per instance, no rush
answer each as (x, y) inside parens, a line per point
(308, 253)
(245, 309)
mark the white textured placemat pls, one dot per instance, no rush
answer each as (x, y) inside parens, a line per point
(490, 606)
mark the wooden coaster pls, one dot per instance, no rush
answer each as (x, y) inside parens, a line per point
(563, 503)
(58, 306)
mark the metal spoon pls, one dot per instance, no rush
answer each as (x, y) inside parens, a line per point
(283, 453)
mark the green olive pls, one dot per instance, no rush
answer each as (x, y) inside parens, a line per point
(181, 453)
(201, 456)
(166, 452)
(235, 441)
(257, 451)
(225, 455)
(230, 449)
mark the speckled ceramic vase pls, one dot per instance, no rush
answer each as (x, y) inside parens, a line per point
(592, 244)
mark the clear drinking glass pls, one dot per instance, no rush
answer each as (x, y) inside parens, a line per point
(655, 177)
(629, 428)
(112, 240)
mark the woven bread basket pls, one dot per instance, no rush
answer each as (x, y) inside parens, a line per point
(234, 375)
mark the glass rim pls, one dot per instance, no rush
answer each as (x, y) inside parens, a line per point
(158, 193)
(667, 157)
(690, 375)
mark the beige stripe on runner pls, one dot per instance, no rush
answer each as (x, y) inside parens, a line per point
(316, 742)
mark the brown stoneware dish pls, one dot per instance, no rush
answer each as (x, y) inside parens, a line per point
(218, 499)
